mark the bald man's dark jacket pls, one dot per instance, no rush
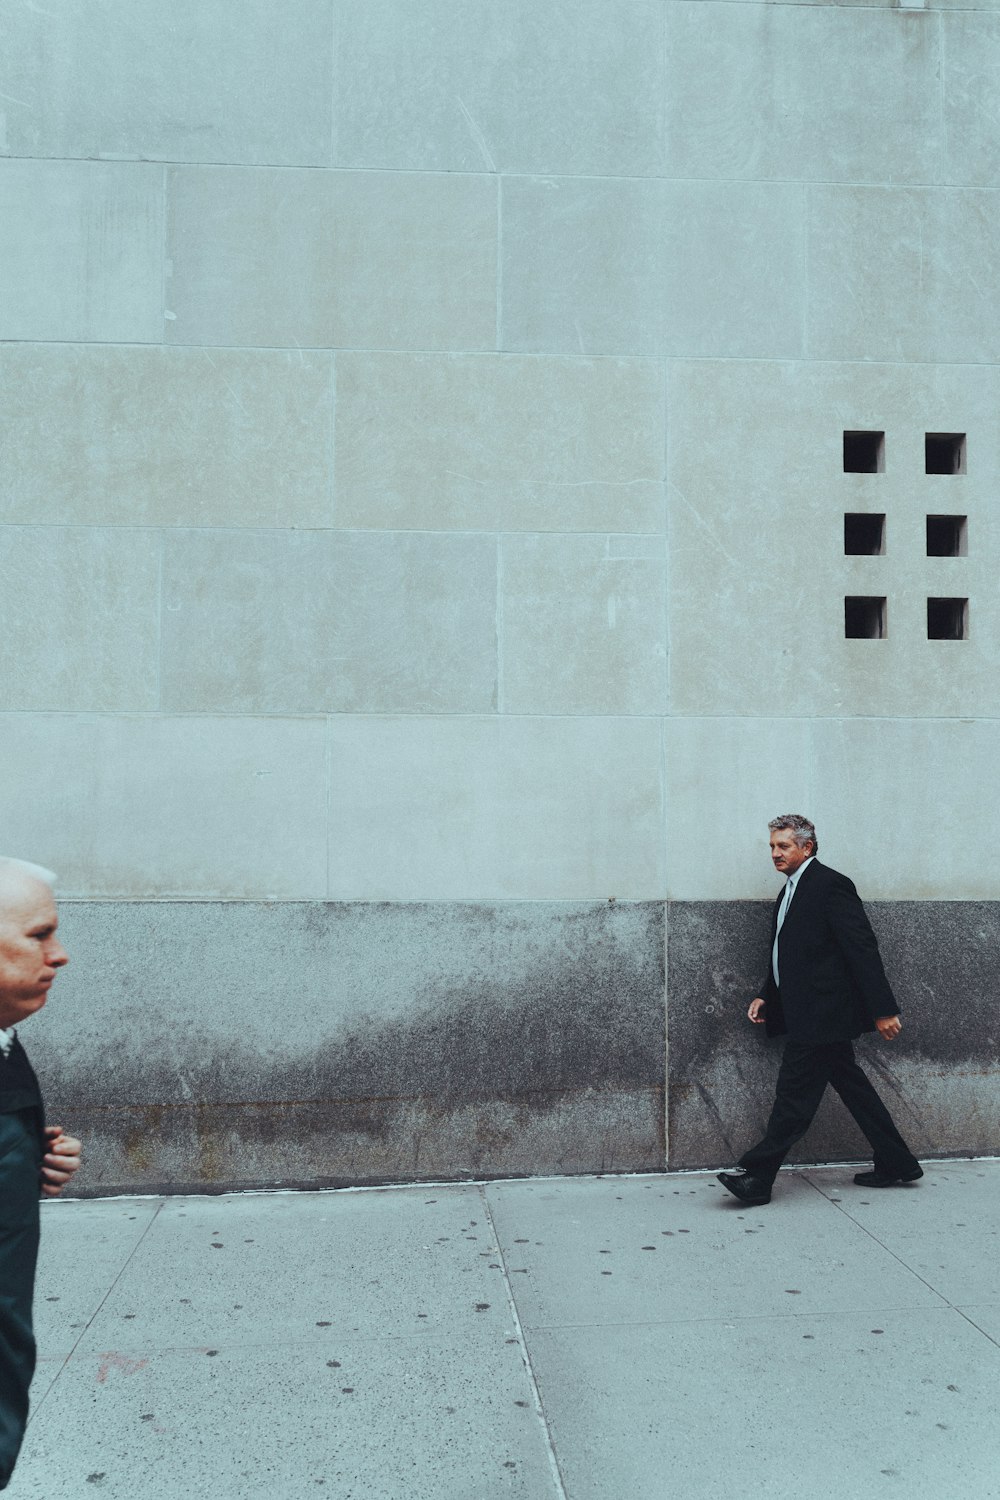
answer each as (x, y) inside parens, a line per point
(833, 985)
(18, 1085)
(22, 1145)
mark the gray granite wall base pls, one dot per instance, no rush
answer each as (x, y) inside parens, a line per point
(214, 1045)
(940, 1079)
(217, 1045)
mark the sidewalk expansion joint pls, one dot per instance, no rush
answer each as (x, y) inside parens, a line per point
(550, 1449)
(36, 1406)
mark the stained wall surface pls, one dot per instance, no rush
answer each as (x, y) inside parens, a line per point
(423, 573)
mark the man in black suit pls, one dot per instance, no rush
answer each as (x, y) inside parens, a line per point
(825, 985)
(34, 1157)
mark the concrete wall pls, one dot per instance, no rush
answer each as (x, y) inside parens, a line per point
(422, 567)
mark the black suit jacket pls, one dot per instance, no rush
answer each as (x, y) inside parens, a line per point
(833, 985)
(18, 1084)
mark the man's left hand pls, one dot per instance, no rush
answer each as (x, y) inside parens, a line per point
(60, 1161)
(889, 1027)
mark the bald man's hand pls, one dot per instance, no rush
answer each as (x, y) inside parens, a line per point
(60, 1161)
(889, 1027)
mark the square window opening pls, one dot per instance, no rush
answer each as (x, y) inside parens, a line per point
(944, 453)
(947, 536)
(864, 452)
(947, 619)
(864, 535)
(864, 618)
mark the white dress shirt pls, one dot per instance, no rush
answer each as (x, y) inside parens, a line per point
(786, 902)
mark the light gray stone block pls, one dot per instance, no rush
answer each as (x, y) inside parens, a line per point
(79, 618)
(476, 808)
(573, 88)
(821, 93)
(499, 442)
(581, 266)
(362, 259)
(81, 244)
(600, 266)
(131, 78)
(970, 99)
(873, 787)
(165, 436)
(584, 628)
(898, 274)
(913, 790)
(727, 778)
(160, 807)
(302, 622)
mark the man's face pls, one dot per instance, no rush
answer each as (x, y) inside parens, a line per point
(786, 854)
(30, 952)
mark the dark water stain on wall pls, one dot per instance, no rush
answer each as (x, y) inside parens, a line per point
(316, 1042)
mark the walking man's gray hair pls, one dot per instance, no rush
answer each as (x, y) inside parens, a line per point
(801, 828)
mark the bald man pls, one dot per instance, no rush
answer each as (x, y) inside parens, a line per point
(35, 1158)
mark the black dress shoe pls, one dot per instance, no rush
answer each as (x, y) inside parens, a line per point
(886, 1179)
(749, 1190)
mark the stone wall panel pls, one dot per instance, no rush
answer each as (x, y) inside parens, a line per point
(287, 258)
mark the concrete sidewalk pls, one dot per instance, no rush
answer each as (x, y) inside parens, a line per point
(594, 1338)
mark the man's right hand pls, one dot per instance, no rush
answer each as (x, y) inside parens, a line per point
(61, 1160)
(756, 1012)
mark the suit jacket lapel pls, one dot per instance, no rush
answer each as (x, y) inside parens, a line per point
(791, 915)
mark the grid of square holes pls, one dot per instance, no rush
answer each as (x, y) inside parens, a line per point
(866, 615)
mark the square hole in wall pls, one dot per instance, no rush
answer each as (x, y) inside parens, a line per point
(864, 452)
(947, 619)
(864, 535)
(864, 618)
(947, 536)
(944, 453)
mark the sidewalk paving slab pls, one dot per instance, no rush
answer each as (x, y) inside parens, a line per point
(602, 1338)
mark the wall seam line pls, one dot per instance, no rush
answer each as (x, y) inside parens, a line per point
(869, 362)
(332, 95)
(160, 567)
(666, 1033)
(806, 311)
(500, 626)
(499, 278)
(332, 448)
(588, 716)
(328, 770)
(164, 247)
(876, 184)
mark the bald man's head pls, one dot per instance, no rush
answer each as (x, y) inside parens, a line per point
(30, 952)
(15, 872)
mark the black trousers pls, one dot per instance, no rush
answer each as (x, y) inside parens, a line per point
(20, 1160)
(805, 1071)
